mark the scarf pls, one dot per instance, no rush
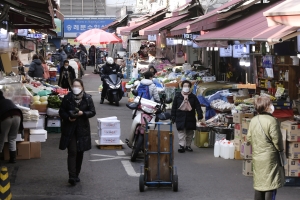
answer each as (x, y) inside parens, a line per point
(185, 106)
(78, 97)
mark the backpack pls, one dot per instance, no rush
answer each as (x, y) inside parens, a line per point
(145, 90)
(68, 49)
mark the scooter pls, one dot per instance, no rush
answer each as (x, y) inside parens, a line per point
(114, 91)
(144, 110)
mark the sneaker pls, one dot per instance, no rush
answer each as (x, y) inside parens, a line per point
(188, 148)
(181, 149)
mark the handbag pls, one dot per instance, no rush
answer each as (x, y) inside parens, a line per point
(281, 154)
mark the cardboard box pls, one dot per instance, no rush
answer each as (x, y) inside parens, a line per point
(237, 155)
(109, 132)
(99, 120)
(109, 140)
(293, 130)
(293, 168)
(237, 131)
(109, 124)
(247, 167)
(237, 144)
(245, 125)
(23, 151)
(30, 124)
(35, 150)
(293, 149)
(38, 135)
(246, 150)
(238, 117)
(26, 134)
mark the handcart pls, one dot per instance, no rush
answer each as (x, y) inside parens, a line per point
(158, 169)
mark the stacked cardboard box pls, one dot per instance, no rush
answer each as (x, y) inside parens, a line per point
(109, 130)
(291, 136)
(240, 132)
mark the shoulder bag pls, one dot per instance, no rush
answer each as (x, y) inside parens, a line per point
(281, 154)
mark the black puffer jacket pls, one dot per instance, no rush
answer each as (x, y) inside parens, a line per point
(81, 126)
(36, 69)
(186, 119)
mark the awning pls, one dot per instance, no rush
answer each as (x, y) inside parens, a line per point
(212, 19)
(115, 23)
(161, 25)
(286, 13)
(180, 29)
(252, 28)
(29, 14)
(138, 25)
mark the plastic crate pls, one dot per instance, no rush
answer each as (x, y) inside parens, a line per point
(61, 91)
(52, 74)
(53, 129)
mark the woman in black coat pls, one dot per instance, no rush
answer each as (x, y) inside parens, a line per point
(183, 113)
(76, 109)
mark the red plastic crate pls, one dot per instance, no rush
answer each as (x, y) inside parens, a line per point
(61, 91)
(52, 73)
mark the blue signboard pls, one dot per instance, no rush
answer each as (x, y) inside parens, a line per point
(74, 27)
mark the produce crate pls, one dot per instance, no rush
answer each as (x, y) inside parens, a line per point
(176, 85)
(61, 91)
(53, 129)
(40, 107)
(52, 74)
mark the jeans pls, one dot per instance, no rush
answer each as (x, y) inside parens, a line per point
(9, 128)
(74, 158)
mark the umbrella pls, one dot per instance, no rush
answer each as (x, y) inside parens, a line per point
(97, 36)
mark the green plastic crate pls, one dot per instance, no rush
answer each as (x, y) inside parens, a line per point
(53, 129)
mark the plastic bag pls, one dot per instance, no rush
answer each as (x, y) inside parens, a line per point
(52, 112)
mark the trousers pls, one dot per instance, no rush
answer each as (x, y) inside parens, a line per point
(74, 158)
(9, 128)
(266, 195)
(185, 137)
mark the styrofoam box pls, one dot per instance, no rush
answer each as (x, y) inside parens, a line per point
(53, 122)
(30, 124)
(41, 122)
(109, 140)
(109, 118)
(109, 132)
(38, 132)
(18, 139)
(109, 124)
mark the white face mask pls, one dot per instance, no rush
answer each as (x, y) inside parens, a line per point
(66, 66)
(186, 89)
(271, 109)
(76, 90)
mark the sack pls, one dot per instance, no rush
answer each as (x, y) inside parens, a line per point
(144, 89)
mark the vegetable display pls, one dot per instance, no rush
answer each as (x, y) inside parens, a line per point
(54, 101)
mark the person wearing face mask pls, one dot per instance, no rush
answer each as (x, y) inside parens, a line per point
(148, 88)
(76, 109)
(266, 139)
(66, 76)
(183, 113)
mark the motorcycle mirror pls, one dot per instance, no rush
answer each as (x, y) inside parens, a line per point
(169, 100)
(135, 92)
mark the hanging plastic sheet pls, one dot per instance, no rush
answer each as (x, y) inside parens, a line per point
(210, 112)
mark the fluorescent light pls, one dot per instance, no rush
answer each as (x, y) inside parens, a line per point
(298, 55)
(242, 62)
(207, 48)
(253, 48)
(216, 49)
(211, 48)
(247, 64)
(245, 49)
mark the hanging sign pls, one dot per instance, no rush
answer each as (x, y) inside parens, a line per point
(170, 41)
(195, 45)
(226, 52)
(152, 38)
(238, 50)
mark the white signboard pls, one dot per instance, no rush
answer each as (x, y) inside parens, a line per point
(238, 50)
(170, 41)
(226, 52)
(152, 38)
(195, 45)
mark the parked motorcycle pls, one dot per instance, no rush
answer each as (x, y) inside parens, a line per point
(144, 109)
(114, 92)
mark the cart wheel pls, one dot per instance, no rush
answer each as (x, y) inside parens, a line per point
(175, 183)
(141, 183)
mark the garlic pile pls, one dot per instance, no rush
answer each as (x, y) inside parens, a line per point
(221, 105)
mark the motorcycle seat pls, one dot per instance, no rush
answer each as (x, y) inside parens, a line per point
(164, 116)
(132, 106)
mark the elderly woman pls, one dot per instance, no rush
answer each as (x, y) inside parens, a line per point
(183, 113)
(266, 139)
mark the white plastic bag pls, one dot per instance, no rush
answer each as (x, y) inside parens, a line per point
(52, 112)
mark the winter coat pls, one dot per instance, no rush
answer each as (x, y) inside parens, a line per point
(81, 126)
(186, 119)
(80, 70)
(7, 105)
(46, 71)
(70, 78)
(152, 89)
(108, 69)
(36, 69)
(64, 57)
(268, 174)
(74, 64)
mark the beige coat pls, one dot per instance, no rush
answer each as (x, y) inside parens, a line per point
(267, 172)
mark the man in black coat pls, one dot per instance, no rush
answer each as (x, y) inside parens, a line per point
(183, 113)
(110, 67)
(11, 122)
(66, 76)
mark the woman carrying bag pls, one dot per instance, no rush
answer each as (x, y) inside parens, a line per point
(266, 139)
(76, 109)
(183, 113)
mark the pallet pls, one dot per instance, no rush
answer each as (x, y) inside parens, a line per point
(109, 146)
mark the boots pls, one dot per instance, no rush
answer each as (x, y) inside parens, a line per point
(12, 156)
(181, 149)
(101, 101)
